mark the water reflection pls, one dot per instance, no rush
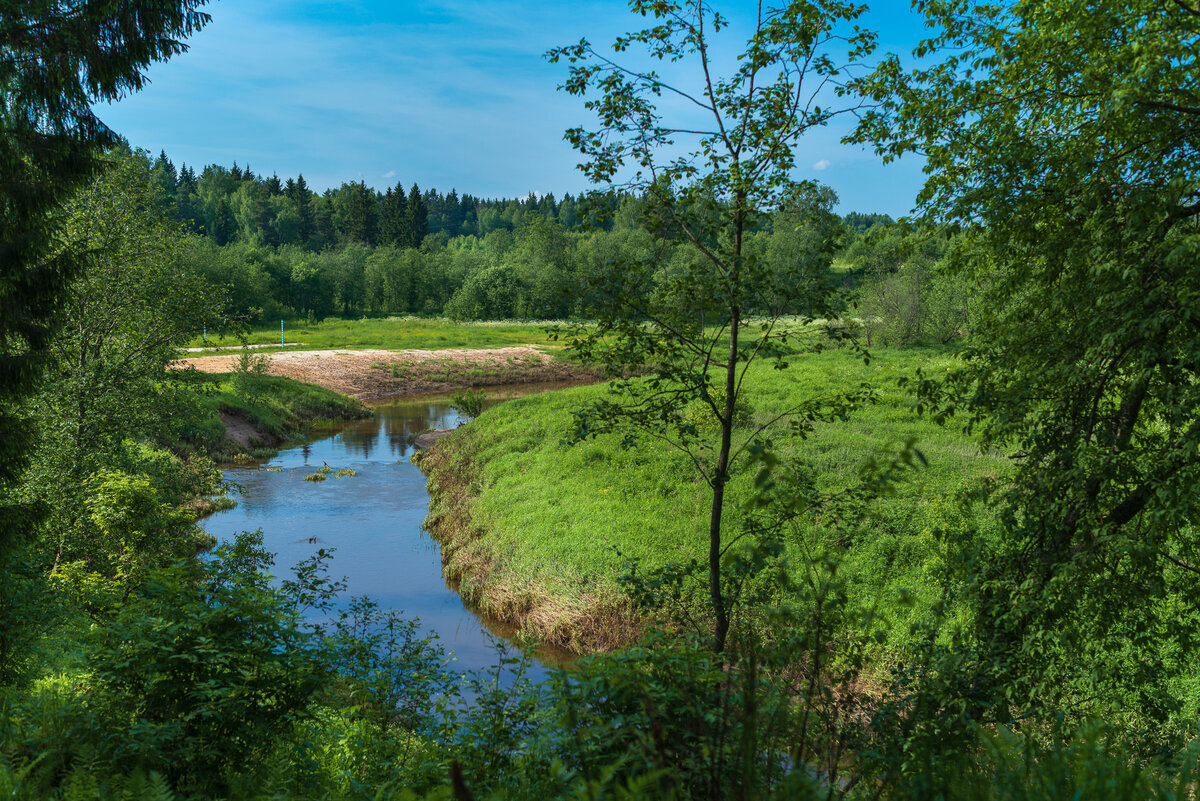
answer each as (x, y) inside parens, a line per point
(373, 519)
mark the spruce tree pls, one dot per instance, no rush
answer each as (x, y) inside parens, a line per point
(224, 226)
(358, 215)
(165, 177)
(302, 199)
(391, 217)
(323, 234)
(262, 214)
(454, 214)
(415, 219)
(164, 173)
(187, 204)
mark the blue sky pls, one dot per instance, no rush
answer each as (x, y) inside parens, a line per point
(448, 93)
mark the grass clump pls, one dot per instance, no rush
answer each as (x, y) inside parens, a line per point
(316, 477)
(468, 402)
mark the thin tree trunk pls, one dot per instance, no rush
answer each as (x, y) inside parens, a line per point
(721, 627)
(721, 474)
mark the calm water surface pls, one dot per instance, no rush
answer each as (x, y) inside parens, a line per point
(373, 520)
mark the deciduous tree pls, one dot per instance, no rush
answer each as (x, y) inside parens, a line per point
(56, 61)
(710, 165)
(1062, 136)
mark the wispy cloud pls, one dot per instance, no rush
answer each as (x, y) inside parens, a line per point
(823, 164)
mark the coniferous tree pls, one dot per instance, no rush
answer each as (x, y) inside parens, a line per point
(263, 214)
(324, 233)
(164, 174)
(273, 186)
(302, 199)
(454, 214)
(415, 219)
(187, 204)
(391, 217)
(358, 217)
(470, 215)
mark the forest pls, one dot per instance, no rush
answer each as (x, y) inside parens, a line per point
(850, 507)
(286, 252)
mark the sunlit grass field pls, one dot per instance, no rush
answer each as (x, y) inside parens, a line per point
(567, 518)
(391, 333)
(435, 333)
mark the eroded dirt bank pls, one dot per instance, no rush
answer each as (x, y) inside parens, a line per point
(374, 374)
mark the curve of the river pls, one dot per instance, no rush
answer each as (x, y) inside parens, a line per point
(372, 519)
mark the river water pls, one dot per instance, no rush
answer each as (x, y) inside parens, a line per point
(372, 519)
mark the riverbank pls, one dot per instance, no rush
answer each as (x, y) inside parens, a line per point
(374, 374)
(248, 416)
(572, 618)
(539, 532)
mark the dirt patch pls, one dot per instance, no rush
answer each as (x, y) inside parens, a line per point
(373, 374)
(241, 430)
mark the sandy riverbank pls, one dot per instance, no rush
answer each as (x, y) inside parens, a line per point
(375, 374)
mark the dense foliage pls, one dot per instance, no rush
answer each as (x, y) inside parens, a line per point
(735, 172)
(1079, 192)
(55, 63)
(474, 259)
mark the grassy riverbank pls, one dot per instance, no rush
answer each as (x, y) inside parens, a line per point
(252, 413)
(538, 531)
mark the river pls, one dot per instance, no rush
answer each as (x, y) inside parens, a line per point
(372, 519)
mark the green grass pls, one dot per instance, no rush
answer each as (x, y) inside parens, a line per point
(280, 408)
(420, 333)
(392, 333)
(566, 518)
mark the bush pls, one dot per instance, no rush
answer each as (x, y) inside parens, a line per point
(248, 375)
(468, 402)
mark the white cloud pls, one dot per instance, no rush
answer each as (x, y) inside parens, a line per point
(390, 174)
(823, 164)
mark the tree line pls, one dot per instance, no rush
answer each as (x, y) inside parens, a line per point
(281, 250)
(235, 205)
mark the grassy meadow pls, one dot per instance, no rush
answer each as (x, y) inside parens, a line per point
(539, 530)
(390, 333)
